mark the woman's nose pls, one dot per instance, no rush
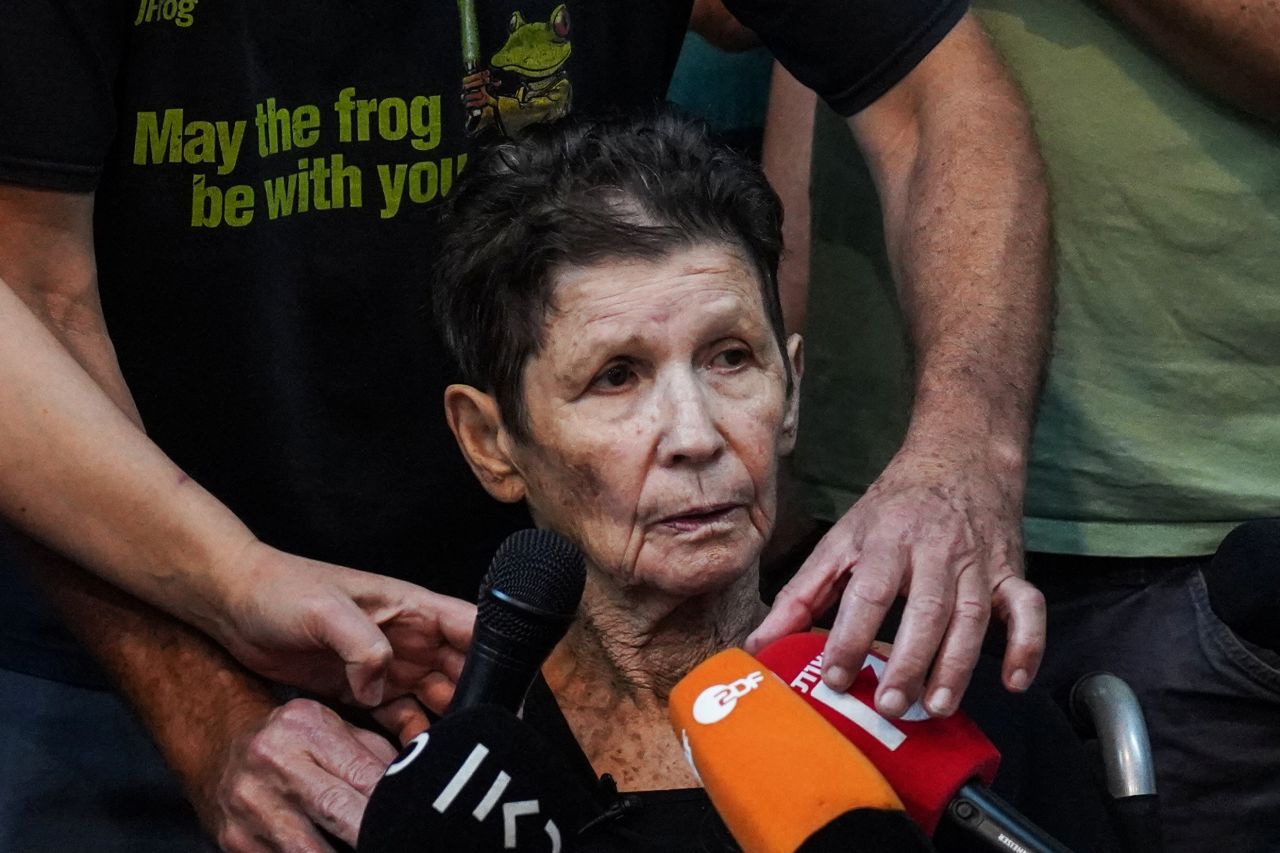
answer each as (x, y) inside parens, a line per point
(690, 433)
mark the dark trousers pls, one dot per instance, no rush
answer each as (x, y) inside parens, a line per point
(1211, 700)
(78, 774)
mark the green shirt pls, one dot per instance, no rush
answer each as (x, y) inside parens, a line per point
(1159, 425)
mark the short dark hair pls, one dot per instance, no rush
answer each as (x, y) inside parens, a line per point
(576, 193)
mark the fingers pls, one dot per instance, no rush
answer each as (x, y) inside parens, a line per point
(430, 639)
(958, 654)
(347, 758)
(451, 663)
(944, 531)
(435, 691)
(305, 768)
(790, 613)
(403, 717)
(366, 654)
(382, 749)
(351, 635)
(456, 619)
(930, 595)
(871, 591)
(1021, 607)
(809, 594)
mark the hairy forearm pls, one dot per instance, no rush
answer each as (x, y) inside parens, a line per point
(1231, 47)
(972, 253)
(967, 223)
(59, 424)
(77, 471)
(194, 699)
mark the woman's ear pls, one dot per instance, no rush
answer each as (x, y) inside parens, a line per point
(791, 417)
(477, 425)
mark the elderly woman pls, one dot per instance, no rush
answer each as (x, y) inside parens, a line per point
(609, 293)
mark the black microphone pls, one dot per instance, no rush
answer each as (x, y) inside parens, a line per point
(479, 781)
(1243, 582)
(528, 599)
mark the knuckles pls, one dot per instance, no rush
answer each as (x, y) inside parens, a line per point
(238, 794)
(253, 793)
(303, 716)
(262, 751)
(275, 746)
(362, 772)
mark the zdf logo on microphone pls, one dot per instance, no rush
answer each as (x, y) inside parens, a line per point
(717, 701)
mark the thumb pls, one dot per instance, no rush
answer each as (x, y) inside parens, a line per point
(365, 652)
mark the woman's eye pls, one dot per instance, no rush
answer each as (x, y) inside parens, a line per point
(614, 376)
(731, 358)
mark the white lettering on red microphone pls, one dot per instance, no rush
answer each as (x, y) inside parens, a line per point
(717, 701)
(809, 676)
(916, 713)
(862, 715)
(809, 681)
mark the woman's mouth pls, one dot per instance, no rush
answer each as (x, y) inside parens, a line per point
(702, 518)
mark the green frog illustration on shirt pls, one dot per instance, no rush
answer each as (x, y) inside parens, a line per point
(532, 59)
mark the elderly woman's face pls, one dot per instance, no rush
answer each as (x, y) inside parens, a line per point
(658, 410)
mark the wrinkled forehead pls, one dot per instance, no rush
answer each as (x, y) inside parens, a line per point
(709, 283)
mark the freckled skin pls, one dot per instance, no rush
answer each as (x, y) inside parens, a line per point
(658, 411)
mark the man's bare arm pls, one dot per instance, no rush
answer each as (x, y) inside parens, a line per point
(966, 220)
(786, 154)
(1231, 47)
(257, 774)
(78, 473)
(712, 21)
(261, 777)
(967, 226)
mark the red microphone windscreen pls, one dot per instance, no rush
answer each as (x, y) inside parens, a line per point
(926, 759)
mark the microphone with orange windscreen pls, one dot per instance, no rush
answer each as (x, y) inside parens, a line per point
(782, 779)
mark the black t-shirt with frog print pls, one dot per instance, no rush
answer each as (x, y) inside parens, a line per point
(266, 177)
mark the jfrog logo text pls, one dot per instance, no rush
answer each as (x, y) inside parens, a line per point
(176, 12)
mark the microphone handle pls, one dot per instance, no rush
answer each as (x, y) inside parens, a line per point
(493, 675)
(987, 816)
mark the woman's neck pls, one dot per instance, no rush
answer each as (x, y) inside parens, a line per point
(615, 668)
